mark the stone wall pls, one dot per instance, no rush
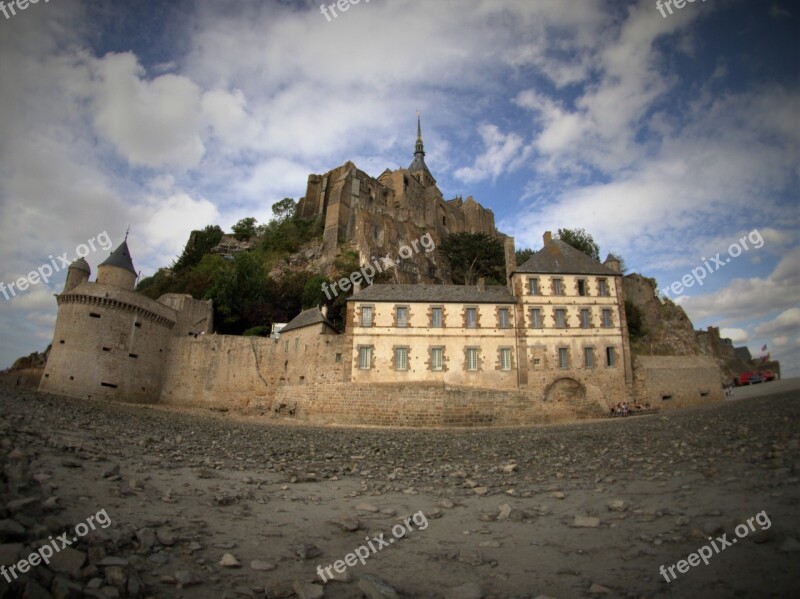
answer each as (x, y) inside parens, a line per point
(676, 381)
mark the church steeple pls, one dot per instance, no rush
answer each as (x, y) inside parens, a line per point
(418, 167)
(420, 149)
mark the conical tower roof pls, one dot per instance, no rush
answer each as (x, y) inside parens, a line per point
(121, 258)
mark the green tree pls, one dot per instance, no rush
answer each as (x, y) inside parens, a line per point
(245, 228)
(580, 240)
(284, 210)
(200, 243)
(312, 292)
(523, 256)
(472, 256)
(636, 325)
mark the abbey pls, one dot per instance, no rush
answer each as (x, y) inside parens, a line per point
(550, 345)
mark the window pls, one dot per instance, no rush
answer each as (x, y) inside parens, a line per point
(365, 358)
(533, 286)
(472, 358)
(563, 357)
(536, 318)
(588, 357)
(286, 347)
(505, 358)
(472, 318)
(138, 325)
(133, 355)
(611, 356)
(402, 316)
(502, 317)
(436, 318)
(561, 318)
(586, 320)
(602, 287)
(558, 287)
(296, 343)
(401, 358)
(582, 287)
(338, 358)
(94, 315)
(607, 322)
(366, 316)
(437, 359)
(109, 385)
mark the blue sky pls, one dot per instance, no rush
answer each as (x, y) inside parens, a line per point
(666, 138)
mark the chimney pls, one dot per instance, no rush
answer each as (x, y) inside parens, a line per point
(511, 260)
(481, 284)
(357, 286)
(324, 310)
(548, 237)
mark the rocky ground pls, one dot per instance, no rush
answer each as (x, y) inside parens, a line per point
(211, 504)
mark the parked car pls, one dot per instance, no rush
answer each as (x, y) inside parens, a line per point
(747, 378)
(756, 378)
(767, 376)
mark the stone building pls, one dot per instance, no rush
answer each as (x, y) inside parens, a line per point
(375, 216)
(112, 342)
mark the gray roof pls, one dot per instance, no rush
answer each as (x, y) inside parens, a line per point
(81, 264)
(121, 258)
(418, 164)
(446, 294)
(307, 318)
(558, 257)
(743, 353)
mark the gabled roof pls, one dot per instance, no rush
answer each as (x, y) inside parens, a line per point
(121, 258)
(557, 257)
(450, 294)
(307, 318)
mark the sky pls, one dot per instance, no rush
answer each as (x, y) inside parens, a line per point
(668, 137)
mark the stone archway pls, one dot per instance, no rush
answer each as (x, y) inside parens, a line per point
(566, 391)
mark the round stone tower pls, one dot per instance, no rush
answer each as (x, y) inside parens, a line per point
(77, 273)
(117, 270)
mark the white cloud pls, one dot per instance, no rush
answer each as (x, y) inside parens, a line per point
(738, 336)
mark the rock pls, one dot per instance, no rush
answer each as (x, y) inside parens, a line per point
(33, 590)
(146, 538)
(11, 531)
(186, 578)
(557, 495)
(261, 566)
(26, 504)
(111, 471)
(375, 588)
(508, 469)
(61, 588)
(447, 504)
(308, 551)
(10, 552)
(307, 590)
(166, 537)
(790, 545)
(599, 589)
(480, 490)
(115, 576)
(469, 590)
(366, 507)
(586, 522)
(229, 561)
(278, 589)
(472, 558)
(68, 561)
(346, 523)
(617, 505)
(113, 561)
(504, 511)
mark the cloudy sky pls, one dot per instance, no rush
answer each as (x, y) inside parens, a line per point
(669, 138)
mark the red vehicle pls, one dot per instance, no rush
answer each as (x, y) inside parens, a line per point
(746, 378)
(767, 376)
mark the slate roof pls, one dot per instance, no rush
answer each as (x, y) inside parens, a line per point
(81, 264)
(461, 294)
(307, 318)
(120, 257)
(558, 257)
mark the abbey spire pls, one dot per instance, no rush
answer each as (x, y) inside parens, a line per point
(418, 167)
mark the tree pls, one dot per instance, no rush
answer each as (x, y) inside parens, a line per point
(523, 256)
(635, 320)
(200, 243)
(472, 256)
(245, 228)
(580, 240)
(622, 266)
(284, 210)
